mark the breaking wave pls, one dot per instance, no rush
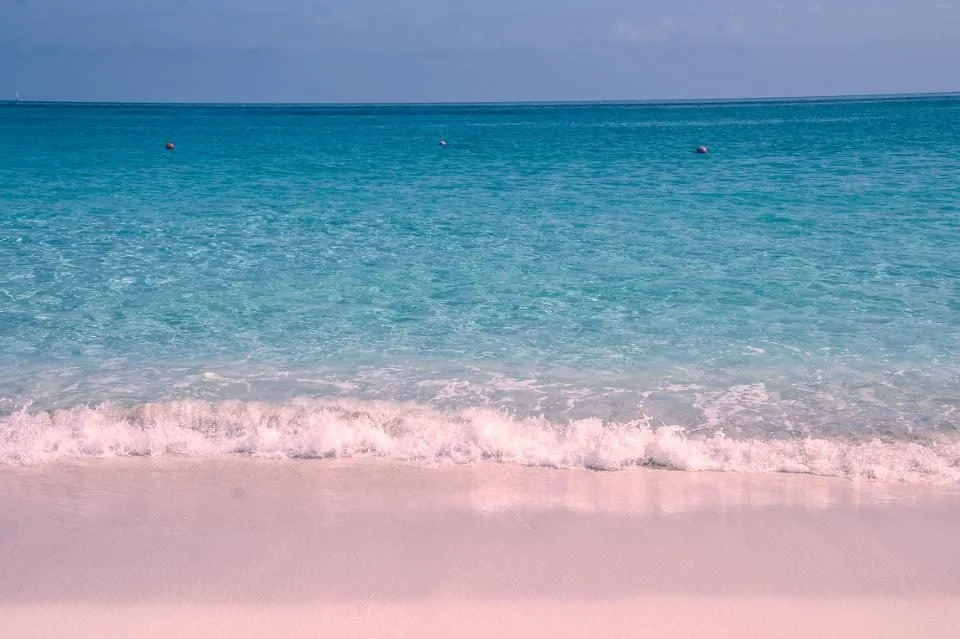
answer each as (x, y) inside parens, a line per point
(316, 428)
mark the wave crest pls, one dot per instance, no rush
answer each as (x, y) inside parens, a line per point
(314, 428)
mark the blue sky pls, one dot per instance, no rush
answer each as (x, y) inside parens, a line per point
(443, 50)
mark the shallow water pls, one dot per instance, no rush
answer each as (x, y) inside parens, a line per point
(552, 264)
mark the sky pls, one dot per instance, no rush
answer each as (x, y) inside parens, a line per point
(494, 50)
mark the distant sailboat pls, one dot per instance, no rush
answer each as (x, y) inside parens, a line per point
(19, 99)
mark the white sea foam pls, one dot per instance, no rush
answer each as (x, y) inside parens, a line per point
(720, 406)
(313, 428)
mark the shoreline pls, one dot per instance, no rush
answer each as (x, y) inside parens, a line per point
(371, 548)
(324, 429)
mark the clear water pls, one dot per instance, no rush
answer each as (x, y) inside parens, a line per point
(553, 266)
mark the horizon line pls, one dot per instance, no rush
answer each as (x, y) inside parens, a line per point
(555, 102)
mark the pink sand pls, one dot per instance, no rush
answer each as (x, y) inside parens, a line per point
(247, 548)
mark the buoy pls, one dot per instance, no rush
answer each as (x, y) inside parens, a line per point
(170, 146)
(443, 143)
(702, 150)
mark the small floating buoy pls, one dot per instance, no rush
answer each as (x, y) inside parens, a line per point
(702, 150)
(170, 146)
(443, 143)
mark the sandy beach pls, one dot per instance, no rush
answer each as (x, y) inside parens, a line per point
(253, 548)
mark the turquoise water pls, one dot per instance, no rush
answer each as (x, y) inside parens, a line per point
(555, 272)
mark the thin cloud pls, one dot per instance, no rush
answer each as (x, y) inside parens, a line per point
(643, 33)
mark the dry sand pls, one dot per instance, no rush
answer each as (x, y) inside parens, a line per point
(249, 548)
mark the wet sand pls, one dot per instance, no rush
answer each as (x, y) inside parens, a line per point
(251, 548)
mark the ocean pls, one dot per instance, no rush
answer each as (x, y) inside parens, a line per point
(563, 285)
